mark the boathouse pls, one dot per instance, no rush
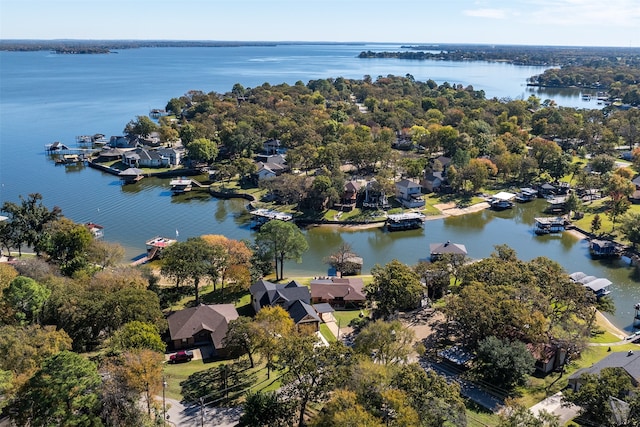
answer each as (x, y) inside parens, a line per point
(604, 249)
(156, 245)
(131, 175)
(439, 250)
(547, 225)
(502, 200)
(405, 221)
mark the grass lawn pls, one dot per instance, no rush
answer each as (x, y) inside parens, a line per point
(480, 417)
(176, 373)
(327, 334)
(343, 317)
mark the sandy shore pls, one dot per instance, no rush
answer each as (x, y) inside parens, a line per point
(605, 324)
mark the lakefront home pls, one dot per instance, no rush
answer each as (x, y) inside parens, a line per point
(201, 325)
(293, 297)
(409, 193)
(338, 292)
(628, 361)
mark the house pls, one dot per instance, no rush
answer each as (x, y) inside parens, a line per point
(547, 190)
(272, 146)
(269, 170)
(204, 324)
(350, 195)
(432, 181)
(635, 196)
(267, 294)
(442, 160)
(122, 142)
(374, 196)
(549, 357)
(174, 156)
(338, 292)
(304, 316)
(142, 157)
(409, 193)
(438, 250)
(628, 361)
(110, 154)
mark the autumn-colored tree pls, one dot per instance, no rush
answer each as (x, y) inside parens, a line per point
(272, 324)
(142, 370)
(231, 261)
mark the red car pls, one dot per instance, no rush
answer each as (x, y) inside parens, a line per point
(181, 356)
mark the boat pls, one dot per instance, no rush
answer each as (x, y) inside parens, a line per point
(97, 231)
(180, 186)
(586, 97)
(548, 225)
(405, 221)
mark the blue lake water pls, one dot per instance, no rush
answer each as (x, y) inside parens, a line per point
(47, 97)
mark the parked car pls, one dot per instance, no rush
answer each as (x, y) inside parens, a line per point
(181, 356)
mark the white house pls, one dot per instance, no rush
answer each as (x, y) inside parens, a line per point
(409, 193)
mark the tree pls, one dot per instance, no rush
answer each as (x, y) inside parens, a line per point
(436, 277)
(142, 126)
(595, 392)
(26, 297)
(202, 150)
(68, 245)
(105, 254)
(631, 228)
(189, 260)
(137, 335)
(312, 371)
(517, 415)
(342, 260)
(283, 241)
(395, 287)
(230, 256)
(343, 410)
(385, 342)
(266, 409)
(573, 203)
(29, 220)
(242, 337)
(596, 223)
(120, 402)
(142, 370)
(272, 323)
(64, 392)
(504, 363)
(616, 209)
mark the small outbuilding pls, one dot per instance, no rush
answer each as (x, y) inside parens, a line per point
(438, 250)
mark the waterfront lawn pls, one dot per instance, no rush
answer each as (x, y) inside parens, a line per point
(607, 228)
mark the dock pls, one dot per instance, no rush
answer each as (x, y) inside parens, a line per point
(548, 225)
(155, 246)
(259, 217)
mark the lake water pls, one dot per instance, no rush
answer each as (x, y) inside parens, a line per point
(46, 97)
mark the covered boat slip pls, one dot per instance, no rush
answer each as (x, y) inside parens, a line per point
(405, 221)
(502, 200)
(547, 225)
(260, 217)
(526, 195)
(599, 286)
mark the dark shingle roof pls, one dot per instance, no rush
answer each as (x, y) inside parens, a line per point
(300, 311)
(630, 362)
(213, 318)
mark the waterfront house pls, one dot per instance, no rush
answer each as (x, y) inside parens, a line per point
(122, 142)
(628, 361)
(338, 292)
(432, 181)
(350, 195)
(374, 196)
(409, 193)
(142, 157)
(438, 250)
(268, 294)
(304, 316)
(174, 156)
(264, 172)
(201, 325)
(549, 357)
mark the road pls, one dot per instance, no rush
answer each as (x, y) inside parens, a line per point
(191, 416)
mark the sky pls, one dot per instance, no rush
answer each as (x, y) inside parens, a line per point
(523, 22)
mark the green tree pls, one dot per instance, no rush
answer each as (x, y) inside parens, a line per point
(503, 363)
(202, 150)
(596, 390)
(242, 337)
(26, 297)
(630, 228)
(395, 287)
(68, 245)
(266, 409)
(596, 223)
(64, 392)
(283, 241)
(517, 415)
(312, 371)
(189, 260)
(343, 410)
(386, 342)
(105, 254)
(142, 126)
(137, 335)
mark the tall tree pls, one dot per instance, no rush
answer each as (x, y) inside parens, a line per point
(386, 342)
(64, 392)
(137, 335)
(504, 363)
(142, 370)
(266, 409)
(272, 324)
(26, 297)
(189, 260)
(142, 126)
(312, 371)
(343, 259)
(395, 287)
(243, 337)
(283, 241)
(231, 259)
(631, 228)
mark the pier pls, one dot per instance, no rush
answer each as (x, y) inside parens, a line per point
(262, 216)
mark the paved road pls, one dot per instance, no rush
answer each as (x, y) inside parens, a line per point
(191, 416)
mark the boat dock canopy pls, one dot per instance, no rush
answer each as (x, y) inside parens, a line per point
(406, 216)
(598, 285)
(503, 195)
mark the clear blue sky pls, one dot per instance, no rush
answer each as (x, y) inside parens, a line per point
(539, 22)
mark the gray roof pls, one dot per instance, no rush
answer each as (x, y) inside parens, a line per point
(213, 318)
(624, 360)
(301, 312)
(447, 248)
(323, 307)
(268, 294)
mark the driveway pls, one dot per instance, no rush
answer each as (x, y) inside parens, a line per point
(180, 415)
(553, 405)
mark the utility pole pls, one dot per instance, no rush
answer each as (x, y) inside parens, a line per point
(164, 404)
